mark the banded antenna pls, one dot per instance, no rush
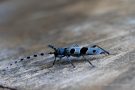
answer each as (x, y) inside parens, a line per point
(51, 46)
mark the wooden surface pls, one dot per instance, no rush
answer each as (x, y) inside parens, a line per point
(28, 26)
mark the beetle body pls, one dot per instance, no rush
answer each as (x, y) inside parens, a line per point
(77, 51)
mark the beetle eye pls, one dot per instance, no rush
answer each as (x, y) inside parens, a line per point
(72, 51)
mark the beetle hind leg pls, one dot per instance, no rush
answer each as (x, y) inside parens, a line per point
(88, 61)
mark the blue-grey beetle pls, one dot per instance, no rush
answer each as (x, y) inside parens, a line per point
(77, 51)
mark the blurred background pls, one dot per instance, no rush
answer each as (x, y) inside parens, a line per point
(28, 26)
(32, 24)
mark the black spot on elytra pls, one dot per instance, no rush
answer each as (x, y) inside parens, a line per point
(42, 54)
(28, 57)
(35, 55)
(15, 61)
(83, 50)
(72, 51)
(10, 64)
(22, 59)
(94, 51)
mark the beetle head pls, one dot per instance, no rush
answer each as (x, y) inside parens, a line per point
(52, 47)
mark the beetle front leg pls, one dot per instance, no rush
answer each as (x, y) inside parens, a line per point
(54, 61)
(59, 60)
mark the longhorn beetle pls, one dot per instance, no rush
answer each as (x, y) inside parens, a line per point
(77, 51)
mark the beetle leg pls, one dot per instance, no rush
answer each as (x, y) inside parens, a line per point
(88, 61)
(71, 62)
(54, 61)
(59, 61)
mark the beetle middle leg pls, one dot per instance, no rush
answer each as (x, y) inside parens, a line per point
(71, 62)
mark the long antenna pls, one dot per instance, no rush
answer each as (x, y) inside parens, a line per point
(51, 46)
